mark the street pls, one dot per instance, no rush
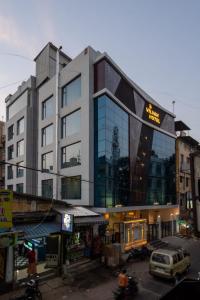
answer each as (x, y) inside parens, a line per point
(99, 284)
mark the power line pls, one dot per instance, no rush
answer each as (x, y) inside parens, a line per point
(9, 84)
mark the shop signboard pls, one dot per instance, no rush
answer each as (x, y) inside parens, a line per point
(6, 198)
(67, 222)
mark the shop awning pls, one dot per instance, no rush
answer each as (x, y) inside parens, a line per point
(37, 230)
(90, 220)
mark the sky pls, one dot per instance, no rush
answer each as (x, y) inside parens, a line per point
(155, 42)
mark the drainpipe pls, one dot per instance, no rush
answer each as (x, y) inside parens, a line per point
(57, 117)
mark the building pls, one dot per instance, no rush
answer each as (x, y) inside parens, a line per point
(195, 178)
(186, 146)
(21, 138)
(109, 145)
(2, 154)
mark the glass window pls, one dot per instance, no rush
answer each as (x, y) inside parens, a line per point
(47, 162)
(47, 108)
(47, 135)
(10, 132)
(10, 187)
(71, 92)
(71, 155)
(70, 124)
(161, 258)
(71, 187)
(10, 172)
(20, 148)
(187, 182)
(20, 188)
(20, 170)
(47, 188)
(10, 152)
(20, 126)
(181, 178)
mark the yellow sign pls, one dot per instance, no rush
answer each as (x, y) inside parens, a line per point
(154, 116)
(6, 198)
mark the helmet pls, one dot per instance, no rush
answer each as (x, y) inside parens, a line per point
(31, 282)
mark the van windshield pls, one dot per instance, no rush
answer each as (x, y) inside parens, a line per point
(161, 258)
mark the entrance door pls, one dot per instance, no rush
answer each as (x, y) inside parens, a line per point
(152, 232)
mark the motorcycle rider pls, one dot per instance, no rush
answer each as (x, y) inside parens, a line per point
(123, 280)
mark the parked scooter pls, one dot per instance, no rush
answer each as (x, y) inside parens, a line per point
(138, 253)
(128, 292)
(32, 291)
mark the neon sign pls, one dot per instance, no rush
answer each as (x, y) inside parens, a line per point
(152, 115)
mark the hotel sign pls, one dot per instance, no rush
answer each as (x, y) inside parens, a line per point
(152, 115)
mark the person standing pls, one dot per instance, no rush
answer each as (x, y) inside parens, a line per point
(32, 269)
(123, 280)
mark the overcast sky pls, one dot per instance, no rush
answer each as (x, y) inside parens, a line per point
(156, 42)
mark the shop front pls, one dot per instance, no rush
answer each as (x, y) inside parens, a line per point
(126, 228)
(37, 237)
(81, 234)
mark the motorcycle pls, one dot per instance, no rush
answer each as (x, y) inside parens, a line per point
(32, 291)
(128, 292)
(138, 253)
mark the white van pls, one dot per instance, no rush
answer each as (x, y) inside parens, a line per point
(169, 263)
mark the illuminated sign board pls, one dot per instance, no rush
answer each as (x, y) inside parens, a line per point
(67, 222)
(152, 115)
(6, 198)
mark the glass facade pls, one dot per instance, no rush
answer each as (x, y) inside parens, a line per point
(47, 188)
(71, 124)
(20, 126)
(47, 108)
(134, 163)
(71, 92)
(71, 155)
(47, 162)
(112, 154)
(20, 148)
(71, 187)
(47, 135)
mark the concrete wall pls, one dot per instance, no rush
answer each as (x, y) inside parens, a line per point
(81, 65)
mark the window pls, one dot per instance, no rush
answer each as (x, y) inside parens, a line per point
(47, 108)
(20, 126)
(20, 188)
(181, 179)
(71, 92)
(47, 188)
(10, 132)
(70, 124)
(188, 160)
(161, 258)
(20, 148)
(10, 172)
(71, 155)
(182, 159)
(187, 182)
(47, 162)
(10, 152)
(71, 187)
(20, 170)
(10, 187)
(47, 135)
